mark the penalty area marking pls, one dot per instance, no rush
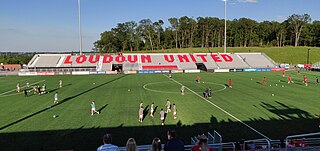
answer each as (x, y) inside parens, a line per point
(226, 112)
(1, 94)
(159, 91)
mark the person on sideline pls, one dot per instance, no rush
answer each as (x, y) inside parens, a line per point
(107, 146)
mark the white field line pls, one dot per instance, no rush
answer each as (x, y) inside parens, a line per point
(226, 112)
(21, 87)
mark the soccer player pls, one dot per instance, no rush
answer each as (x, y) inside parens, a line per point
(25, 92)
(209, 93)
(304, 78)
(198, 79)
(182, 90)
(44, 88)
(230, 83)
(283, 73)
(141, 104)
(306, 81)
(264, 81)
(317, 80)
(289, 79)
(60, 83)
(27, 84)
(140, 114)
(93, 108)
(162, 114)
(168, 105)
(18, 87)
(39, 89)
(56, 98)
(174, 111)
(152, 109)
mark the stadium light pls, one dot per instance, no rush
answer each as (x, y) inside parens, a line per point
(79, 24)
(225, 26)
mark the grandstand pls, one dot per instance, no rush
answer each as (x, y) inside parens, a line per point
(136, 62)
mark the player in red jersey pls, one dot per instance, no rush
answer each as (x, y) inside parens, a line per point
(230, 83)
(306, 81)
(289, 79)
(264, 81)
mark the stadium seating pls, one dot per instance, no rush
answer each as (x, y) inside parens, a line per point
(257, 60)
(155, 61)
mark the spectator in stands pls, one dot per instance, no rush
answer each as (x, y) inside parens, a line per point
(173, 144)
(131, 145)
(202, 144)
(156, 145)
(107, 146)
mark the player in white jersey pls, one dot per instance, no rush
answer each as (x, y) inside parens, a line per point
(60, 83)
(18, 87)
(168, 106)
(93, 108)
(162, 114)
(182, 90)
(174, 111)
(55, 98)
(140, 114)
(141, 104)
(152, 109)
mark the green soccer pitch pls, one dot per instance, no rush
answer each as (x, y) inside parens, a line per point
(249, 110)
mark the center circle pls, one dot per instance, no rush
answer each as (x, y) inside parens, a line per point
(202, 84)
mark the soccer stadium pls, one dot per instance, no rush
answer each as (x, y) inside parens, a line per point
(208, 92)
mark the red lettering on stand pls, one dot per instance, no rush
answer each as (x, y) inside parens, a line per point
(171, 59)
(120, 58)
(216, 58)
(132, 58)
(81, 59)
(94, 60)
(107, 59)
(193, 58)
(183, 58)
(226, 58)
(67, 60)
(203, 57)
(145, 58)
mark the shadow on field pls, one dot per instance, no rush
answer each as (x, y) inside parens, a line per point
(102, 108)
(91, 138)
(61, 102)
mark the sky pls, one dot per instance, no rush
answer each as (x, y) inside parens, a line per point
(52, 25)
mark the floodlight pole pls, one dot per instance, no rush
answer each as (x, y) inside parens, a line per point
(79, 24)
(225, 26)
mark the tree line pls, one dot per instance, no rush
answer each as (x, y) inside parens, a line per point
(205, 32)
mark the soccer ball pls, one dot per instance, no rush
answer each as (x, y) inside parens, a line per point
(276, 84)
(270, 84)
(128, 89)
(54, 116)
(282, 85)
(272, 94)
(93, 83)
